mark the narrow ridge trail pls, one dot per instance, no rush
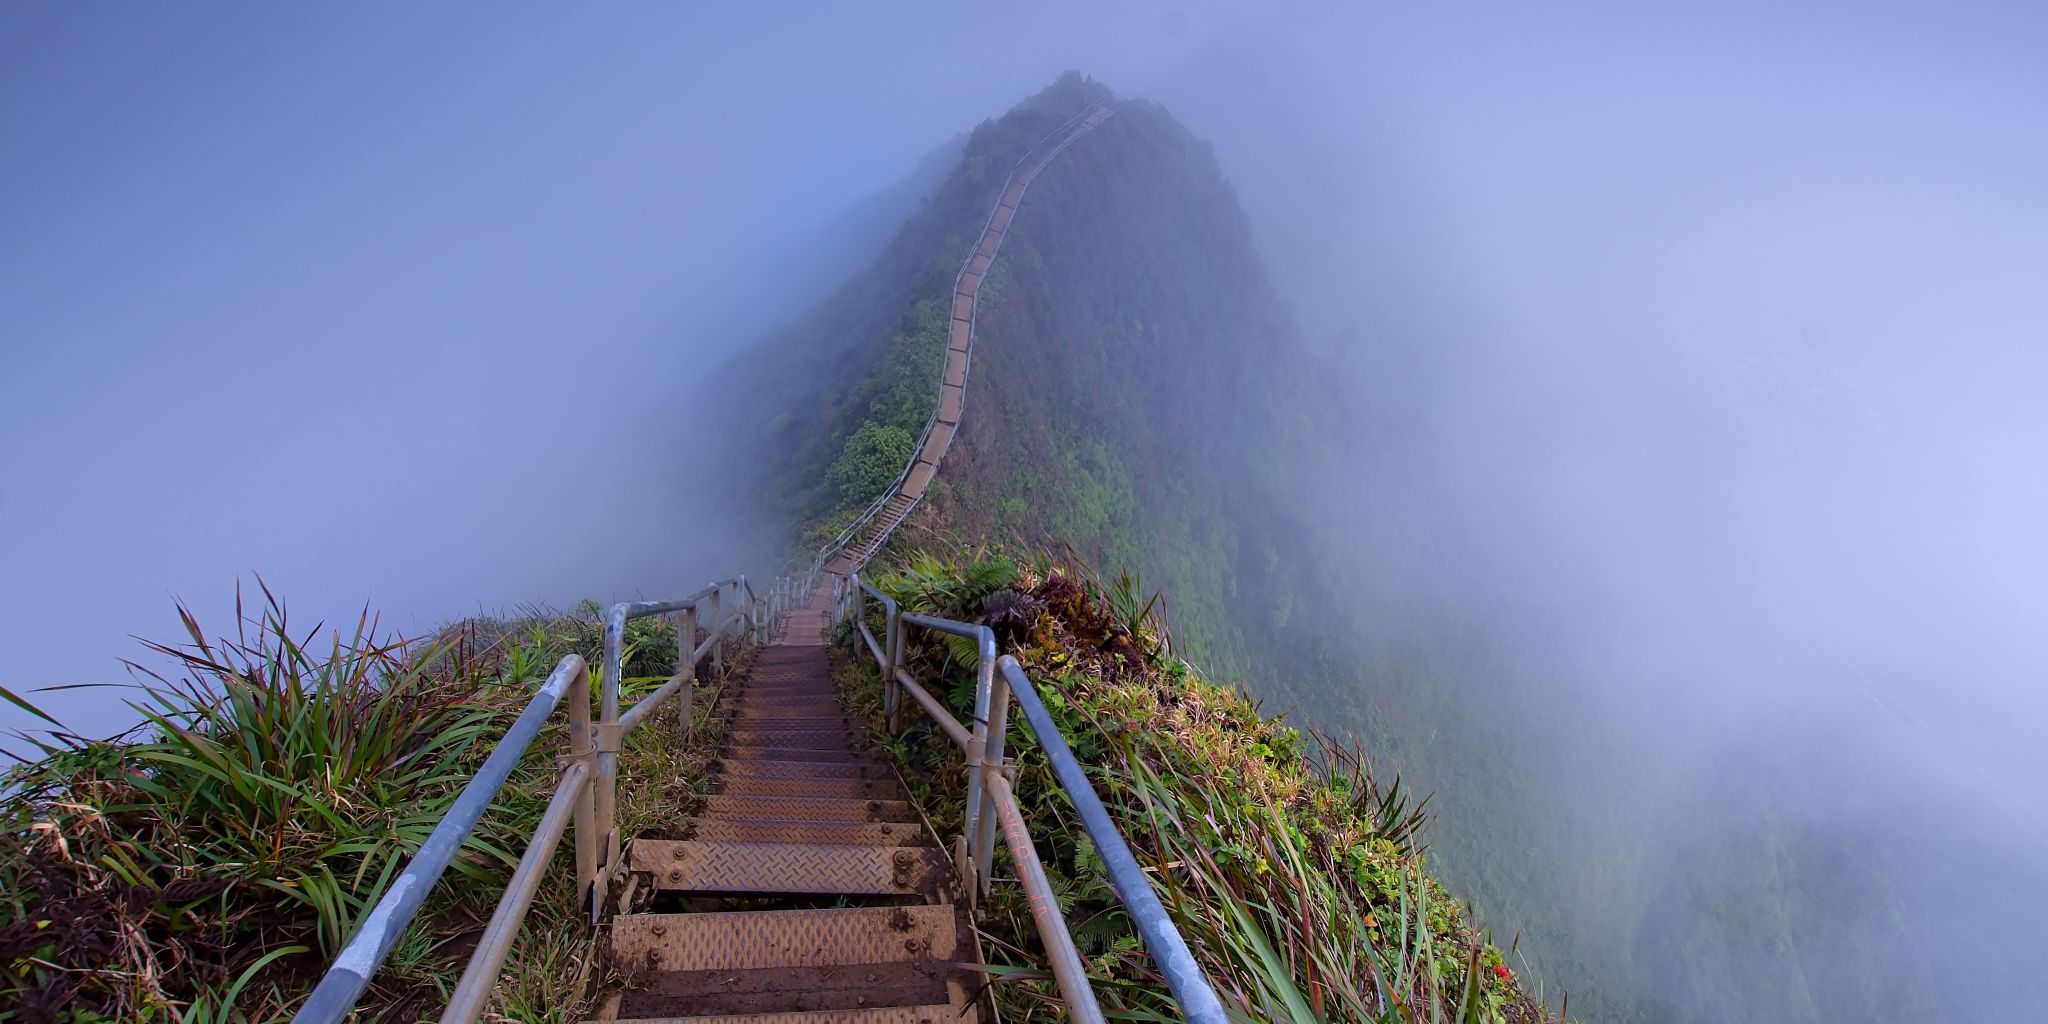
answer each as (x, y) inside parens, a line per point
(806, 889)
(960, 346)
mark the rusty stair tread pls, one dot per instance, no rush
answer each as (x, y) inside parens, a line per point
(875, 788)
(793, 808)
(767, 830)
(936, 1013)
(852, 768)
(667, 994)
(699, 866)
(763, 939)
(821, 739)
(780, 752)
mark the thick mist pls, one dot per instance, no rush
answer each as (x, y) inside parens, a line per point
(1700, 362)
(425, 309)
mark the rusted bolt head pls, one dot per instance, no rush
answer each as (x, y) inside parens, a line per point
(910, 945)
(677, 852)
(887, 828)
(900, 879)
(654, 956)
(675, 875)
(874, 805)
(660, 929)
(903, 858)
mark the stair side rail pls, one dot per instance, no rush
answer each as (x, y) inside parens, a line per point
(582, 799)
(992, 805)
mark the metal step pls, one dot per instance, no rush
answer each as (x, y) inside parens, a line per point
(820, 739)
(791, 808)
(937, 1013)
(844, 833)
(669, 995)
(779, 752)
(764, 939)
(852, 769)
(693, 866)
(878, 788)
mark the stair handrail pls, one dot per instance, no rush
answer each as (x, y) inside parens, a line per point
(582, 798)
(860, 522)
(992, 804)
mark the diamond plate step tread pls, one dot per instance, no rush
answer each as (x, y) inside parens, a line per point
(762, 830)
(769, 700)
(791, 717)
(777, 752)
(672, 994)
(782, 693)
(758, 940)
(695, 866)
(877, 788)
(858, 768)
(790, 808)
(818, 739)
(933, 1014)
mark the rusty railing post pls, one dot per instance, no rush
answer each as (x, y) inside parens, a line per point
(997, 688)
(718, 632)
(686, 658)
(583, 747)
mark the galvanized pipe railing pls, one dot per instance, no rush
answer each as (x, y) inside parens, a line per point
(992, 804)
(584, 796)
(336, 994)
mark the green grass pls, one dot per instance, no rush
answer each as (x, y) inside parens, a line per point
(1297, 876)
(207, 865)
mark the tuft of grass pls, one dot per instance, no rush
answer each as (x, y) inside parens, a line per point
(206, 865)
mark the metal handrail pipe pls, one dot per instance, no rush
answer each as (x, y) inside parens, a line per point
(1191, 989)
(648, 705)
(891, 651)
(608, 705)
(485, 965)
(1045, 908)
(933, 622)
(874, 646)
(343, 984)
(946, 722)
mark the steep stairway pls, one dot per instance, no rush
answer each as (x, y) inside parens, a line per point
(805, 889)
(938, 437)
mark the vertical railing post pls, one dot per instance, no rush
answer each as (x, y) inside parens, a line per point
(977, 752)
(998, 690)
(686, 659)
(607, 725)
(582, 744)
(892, 656)
(718, 632)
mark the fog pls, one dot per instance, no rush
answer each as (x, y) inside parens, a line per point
(1701, 368)
(1699, 359)
(408, 306)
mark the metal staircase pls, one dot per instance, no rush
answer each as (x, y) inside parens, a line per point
(798, 811)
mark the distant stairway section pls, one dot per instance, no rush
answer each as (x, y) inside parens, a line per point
(859, 542)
